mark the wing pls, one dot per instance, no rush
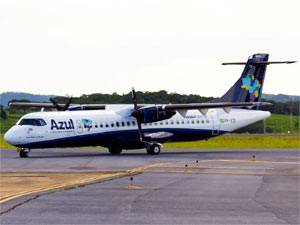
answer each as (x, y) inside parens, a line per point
(204, 107)
(154, 113)
(33, 105)
(72, 107)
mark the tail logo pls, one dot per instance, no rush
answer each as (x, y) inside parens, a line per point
(252, 85)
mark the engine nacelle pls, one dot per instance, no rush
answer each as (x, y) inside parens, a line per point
(151, 114)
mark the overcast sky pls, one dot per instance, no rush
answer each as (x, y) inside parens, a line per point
(83, 47)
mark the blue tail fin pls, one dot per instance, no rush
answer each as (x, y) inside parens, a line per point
(249, 87)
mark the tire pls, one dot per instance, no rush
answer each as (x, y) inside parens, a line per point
(23, 154)
(115, 151)
(153, 149)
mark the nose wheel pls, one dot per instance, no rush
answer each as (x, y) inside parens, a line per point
(23, 152)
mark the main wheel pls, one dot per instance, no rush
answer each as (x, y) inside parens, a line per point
(115, 151)
(153, 149)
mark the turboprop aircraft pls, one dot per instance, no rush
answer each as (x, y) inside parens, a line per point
(119, 127)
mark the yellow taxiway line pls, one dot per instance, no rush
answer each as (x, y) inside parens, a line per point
(9, 197)
(6, 198)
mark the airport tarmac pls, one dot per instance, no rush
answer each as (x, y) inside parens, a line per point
(227, 186)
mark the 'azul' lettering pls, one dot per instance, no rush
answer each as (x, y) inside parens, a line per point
(62, 125)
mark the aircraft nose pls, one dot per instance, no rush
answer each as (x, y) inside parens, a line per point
(10, 137)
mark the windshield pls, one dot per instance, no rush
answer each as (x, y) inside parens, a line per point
(33, 122)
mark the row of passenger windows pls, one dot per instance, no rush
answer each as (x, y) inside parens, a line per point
(133, 123)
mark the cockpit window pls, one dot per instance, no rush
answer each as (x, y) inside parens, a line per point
(33, 122)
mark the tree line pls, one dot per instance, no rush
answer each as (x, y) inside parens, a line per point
(163, 97)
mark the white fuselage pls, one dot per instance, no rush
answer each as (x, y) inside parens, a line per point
(115, 128)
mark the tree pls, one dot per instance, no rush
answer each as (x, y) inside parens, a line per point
(3, 114)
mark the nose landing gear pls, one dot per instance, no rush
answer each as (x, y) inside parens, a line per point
(23, 152)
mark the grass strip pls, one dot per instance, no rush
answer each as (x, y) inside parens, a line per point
(226, 141)
(242, 141)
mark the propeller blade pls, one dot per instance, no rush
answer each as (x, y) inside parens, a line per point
(61, 107)
(67, 104)
(56, 104)
(135, 114)
(133, 94)
(141, 135)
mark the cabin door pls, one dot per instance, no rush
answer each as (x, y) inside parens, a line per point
(215, 122)
(79, 126)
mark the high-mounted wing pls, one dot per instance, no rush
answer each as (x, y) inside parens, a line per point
(154, 113)
(33, 105)
(71, 107)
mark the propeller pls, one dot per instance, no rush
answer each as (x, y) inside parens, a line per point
(135, 114)
(67, 104)
(59, 107)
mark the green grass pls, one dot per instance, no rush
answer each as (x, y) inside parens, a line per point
(242, 141)
(12, 118)
(282, 123)
(228, 141)
(4, 144)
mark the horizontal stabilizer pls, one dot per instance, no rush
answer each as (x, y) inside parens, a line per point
(261, 62)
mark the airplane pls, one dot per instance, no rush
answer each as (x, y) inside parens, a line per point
(136, 126)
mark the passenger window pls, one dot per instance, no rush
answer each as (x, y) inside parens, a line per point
(128, 123)
(117, 124)
(123, 124)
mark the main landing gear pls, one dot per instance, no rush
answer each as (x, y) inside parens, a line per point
(153, 149)
(23, 152)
